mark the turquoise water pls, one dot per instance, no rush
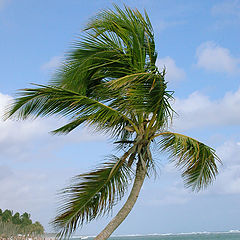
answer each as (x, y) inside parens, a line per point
(188, 236)
(210, 236)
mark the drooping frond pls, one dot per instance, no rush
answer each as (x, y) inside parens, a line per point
(144, 93)
(91, 195)
(114, 44)
(195, 159)
(131, 31)
(48, 100)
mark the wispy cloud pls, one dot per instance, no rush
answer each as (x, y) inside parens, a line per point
(213, 57)
(173, 194)
(18, 139)
(17, 136)
(162, 25)
(228, 180)
(227, 8)
(29, 191)
(52, 64)
(173, 72)
(197, 110)
(227, 13)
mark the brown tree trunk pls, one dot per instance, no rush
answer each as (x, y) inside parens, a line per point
(127, 207)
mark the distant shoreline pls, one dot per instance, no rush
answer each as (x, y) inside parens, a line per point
(47, 236)
(27, 238)
(159, 234)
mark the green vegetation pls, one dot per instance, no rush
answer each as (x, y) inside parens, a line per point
(13, 225)
(110, 82)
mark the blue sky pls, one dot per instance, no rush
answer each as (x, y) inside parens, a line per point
(197, 41)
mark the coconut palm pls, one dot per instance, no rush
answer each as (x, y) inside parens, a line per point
(109, 81)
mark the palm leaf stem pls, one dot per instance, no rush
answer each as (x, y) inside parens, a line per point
(163, 133)
(122, 159)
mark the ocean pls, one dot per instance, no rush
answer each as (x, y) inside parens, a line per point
(231, 235)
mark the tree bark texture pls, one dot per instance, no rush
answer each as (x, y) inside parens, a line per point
(127, 207)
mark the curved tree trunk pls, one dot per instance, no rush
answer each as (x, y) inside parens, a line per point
(127, 207)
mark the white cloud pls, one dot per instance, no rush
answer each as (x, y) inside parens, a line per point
(167, 189)
(18, 185)
(227, 14)
(16, 130)
(197, 110)
(19, 138)
(227, 8)
(175, 194)
(52, 64)
(161, 25)
(173, 73)
(228, 180)
(212, 57)
(30, 191)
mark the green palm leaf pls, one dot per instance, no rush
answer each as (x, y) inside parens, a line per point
(48, 100)
(91, 195)
(143, 93)
(197, 160)
(114, 44)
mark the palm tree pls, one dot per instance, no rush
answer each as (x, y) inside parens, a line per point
(16, 218)
(7, 215)
(109, 82)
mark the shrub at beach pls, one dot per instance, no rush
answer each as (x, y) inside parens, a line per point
(15, 225)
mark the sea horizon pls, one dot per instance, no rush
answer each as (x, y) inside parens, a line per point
(233, 231)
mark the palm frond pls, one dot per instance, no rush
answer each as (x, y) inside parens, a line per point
(113, 44)
(195, 159)
(91, 195)
(49, 100)
(143, 93)
(134, 31)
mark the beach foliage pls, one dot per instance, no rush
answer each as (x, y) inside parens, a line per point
(12, 225)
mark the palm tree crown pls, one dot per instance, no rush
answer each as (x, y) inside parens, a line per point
(109, 81)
